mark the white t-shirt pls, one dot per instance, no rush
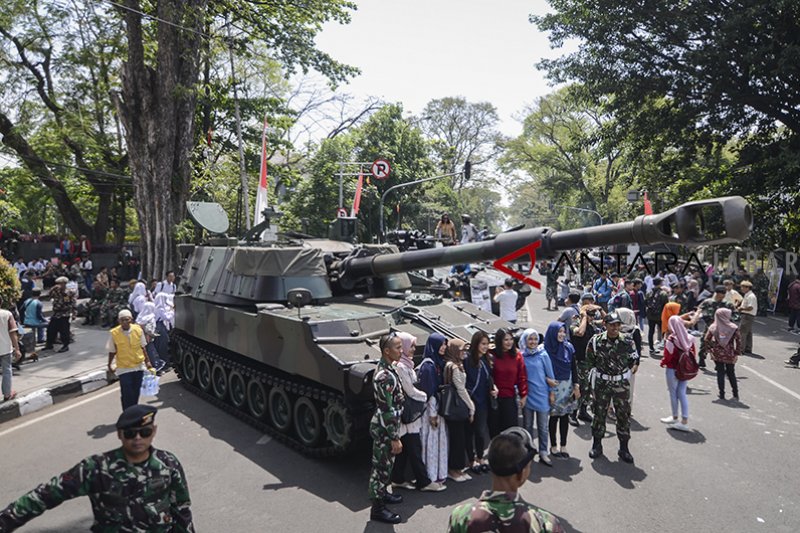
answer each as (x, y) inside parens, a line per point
(164, 286)
(468, 233)
(508, 304)
(86, 265)
(749, 300)
(7, 325)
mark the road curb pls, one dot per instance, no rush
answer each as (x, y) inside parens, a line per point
(65, 390)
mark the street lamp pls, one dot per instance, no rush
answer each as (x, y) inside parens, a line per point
(582, 210)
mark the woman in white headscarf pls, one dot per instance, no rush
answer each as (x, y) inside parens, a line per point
(165, 319)
(630, 328)
(137, 298)
(147, 320)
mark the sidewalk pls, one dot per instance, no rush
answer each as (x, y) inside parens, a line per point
(56, 377)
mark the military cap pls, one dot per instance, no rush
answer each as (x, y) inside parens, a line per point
(720, 289)
(587, 296)
(137, 416)
(745, 283)
(62, 279)
(613, 318)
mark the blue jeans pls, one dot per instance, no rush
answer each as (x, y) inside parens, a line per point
(130, 383)
(542, 420)
(677, 393)
(5, 360)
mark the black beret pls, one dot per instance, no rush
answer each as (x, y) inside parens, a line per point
(613, 318)
(136, 416)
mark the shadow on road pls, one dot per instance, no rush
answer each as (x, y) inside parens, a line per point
(563, 469)
(622, 473)
(102, 430)
(691, 437)
(733, 404)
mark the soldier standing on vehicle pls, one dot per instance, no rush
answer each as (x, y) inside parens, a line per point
(385, 429)
(132, 488)
(611, 359)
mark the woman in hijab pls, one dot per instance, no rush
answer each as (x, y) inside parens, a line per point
(457, 429)
(409, 433)
(541, 389)
(670, 309)
(678, 341)
(433, 433)
(724, 343)
(147, 320)
(692, 293)
(137, 298)
(631, 328)
(567, 389)
(165, 317)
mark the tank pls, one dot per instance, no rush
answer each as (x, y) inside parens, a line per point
(284, 333)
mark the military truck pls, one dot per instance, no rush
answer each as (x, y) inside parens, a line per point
(284, 332)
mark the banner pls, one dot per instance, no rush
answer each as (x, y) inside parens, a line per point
(775, 276)
(261, 194)
(357, 199)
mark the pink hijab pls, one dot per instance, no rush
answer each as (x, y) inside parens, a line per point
(406, 355)
(722, 328)
(680, 337)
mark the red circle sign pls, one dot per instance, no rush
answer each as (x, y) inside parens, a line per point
(341, 212)
(381, 169)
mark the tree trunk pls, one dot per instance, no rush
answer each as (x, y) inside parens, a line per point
(157, 111)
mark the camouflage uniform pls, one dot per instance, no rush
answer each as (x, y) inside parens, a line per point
(607, 358)
(150, 497)
(502, 511)
(707, 308)
(116, 300)
(384, 427)
(95, 305)
(681, 299)
(761, 288)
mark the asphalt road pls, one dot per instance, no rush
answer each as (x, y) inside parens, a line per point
(734, 472)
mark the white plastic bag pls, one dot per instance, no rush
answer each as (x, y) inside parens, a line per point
(149, 385)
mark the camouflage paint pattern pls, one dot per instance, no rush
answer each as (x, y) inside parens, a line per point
(384, 427)
(502, 511)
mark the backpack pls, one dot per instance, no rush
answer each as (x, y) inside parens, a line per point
(651, 303)
(687, 366)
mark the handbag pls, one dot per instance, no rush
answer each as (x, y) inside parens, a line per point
(149, 385)
(412, 410)
(451, 407)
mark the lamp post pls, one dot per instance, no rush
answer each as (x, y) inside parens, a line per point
(599, 216)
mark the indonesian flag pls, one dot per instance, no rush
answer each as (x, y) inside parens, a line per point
(357, 199)
(261, 194)
(648, 209)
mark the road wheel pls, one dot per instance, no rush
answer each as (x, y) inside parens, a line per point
(238, 389)
(189, 367)
(219, 381)
(256, 398)
(338, 425)
(307, 421)
(280, 409)
(204, 373)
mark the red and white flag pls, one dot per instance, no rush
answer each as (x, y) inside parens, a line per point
(648, 208)
(357, 199)
(261, 194)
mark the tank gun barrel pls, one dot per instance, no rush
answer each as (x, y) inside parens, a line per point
(714, 221)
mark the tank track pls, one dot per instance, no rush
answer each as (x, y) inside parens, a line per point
(230, 363)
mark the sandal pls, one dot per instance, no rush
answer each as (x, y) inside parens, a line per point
(10, 396)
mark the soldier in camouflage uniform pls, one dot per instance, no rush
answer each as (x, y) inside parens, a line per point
(761, 288)
(116, 300)
(94, 306)
(502, 508)
(384, 429)
(706, 311)
(133, 488)
(611, 358)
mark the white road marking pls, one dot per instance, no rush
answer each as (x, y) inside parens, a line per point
(59, 411)
(765, 378)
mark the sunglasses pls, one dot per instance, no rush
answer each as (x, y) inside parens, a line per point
(391, 336)
(132, 432)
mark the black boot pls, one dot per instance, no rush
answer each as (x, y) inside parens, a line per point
(624, 453)
(597, 448)
(380, 513)
(392, 498)
(583, 414)
(573, 419)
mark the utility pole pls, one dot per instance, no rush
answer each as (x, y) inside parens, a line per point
(242, 173)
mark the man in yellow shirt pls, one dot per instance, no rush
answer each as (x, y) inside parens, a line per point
(126, 343)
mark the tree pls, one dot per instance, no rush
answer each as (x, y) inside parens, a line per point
(462, 131)
(10, 288)
(700, 74)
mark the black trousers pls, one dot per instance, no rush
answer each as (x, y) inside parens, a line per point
(457, 441)
(476, 434)
(652, 327)
(727, 369)
(505, 416)
(553, 422)
(412, 455)
(58, 327)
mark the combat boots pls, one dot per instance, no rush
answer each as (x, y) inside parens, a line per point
(597, 448)
(624, 453)
(583, 414)
(380, 513)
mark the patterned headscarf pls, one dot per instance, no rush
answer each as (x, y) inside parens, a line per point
(722, 328)
(407, 340)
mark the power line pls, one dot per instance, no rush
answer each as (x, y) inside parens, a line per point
(153, 17)
(74, 167)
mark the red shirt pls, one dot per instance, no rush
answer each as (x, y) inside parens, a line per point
(508, 371)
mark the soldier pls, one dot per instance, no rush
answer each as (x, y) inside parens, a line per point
(611, 359)
(132, 488)
(63, 310)
(502, 509)
(706, 311)
(116, 300)
(761, 288)
(384, 429)
(679, 296)
(94, 306)
(581, 332)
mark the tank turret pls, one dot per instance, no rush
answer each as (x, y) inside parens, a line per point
(284, 333)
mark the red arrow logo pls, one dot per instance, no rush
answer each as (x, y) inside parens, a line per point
(530, 249)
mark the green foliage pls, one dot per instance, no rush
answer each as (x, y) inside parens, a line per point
(10, 289)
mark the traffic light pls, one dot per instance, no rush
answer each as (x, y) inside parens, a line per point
(467, 170)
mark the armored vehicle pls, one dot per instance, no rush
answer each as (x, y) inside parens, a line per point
(284, 332)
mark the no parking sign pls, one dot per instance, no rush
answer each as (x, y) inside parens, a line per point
(380, 169)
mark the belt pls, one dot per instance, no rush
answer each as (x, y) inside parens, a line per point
(594, 374)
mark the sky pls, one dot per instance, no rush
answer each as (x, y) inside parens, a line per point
(413, 51)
